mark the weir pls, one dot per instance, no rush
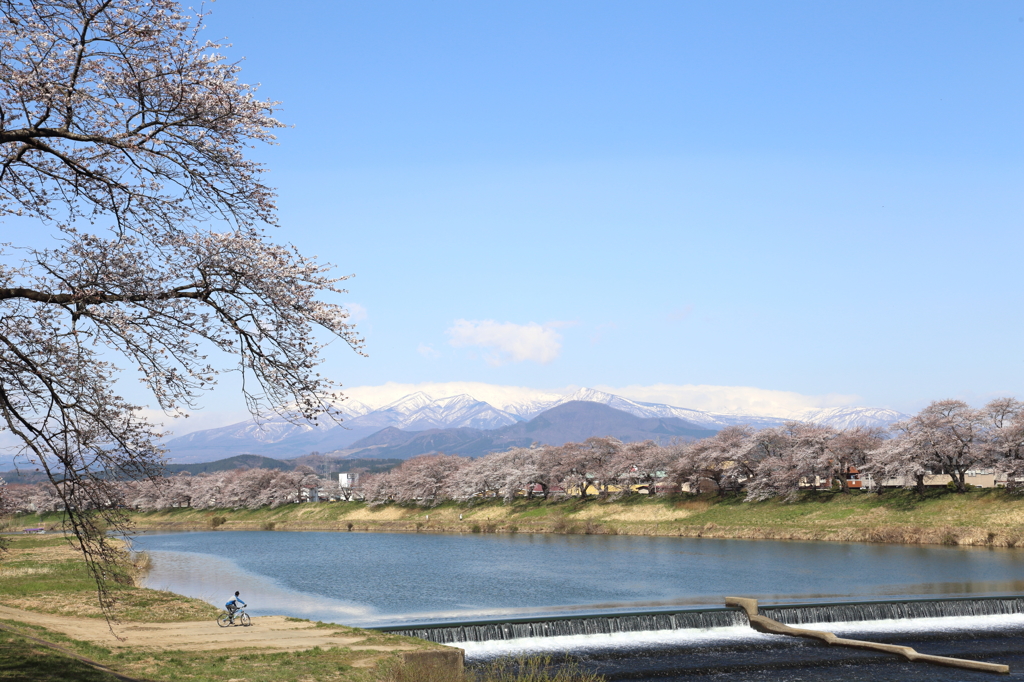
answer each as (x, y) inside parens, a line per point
(453, 632)
(519, 628)
(851, 612)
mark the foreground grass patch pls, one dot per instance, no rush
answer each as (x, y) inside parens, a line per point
(23, 659)
(46, 574)
(27, 660)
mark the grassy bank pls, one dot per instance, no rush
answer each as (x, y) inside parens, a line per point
(52, 629)
(977, 518)
(44, 576)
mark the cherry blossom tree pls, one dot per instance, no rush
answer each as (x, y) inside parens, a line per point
(126, 134)
(577, 466)
(379, 488)
(1005, 439)
(638, 464)
(951, 434)
(812, 452)
(849, 449)
(780, 465)
(902, 458)
(7, 506)
(502, 474)
(726, 461)
(571, 468)
(425, 479)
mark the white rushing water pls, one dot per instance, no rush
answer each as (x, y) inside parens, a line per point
(693, 638)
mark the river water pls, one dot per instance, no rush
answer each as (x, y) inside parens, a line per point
(377, 579)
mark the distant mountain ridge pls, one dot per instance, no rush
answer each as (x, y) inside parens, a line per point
(573, 421)
(419, 412)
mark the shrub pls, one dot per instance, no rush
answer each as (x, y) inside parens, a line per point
(218, 521)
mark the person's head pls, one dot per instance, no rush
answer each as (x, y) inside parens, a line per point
(236, 594)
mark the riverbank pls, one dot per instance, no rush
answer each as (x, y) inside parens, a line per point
(47, 596)
(978, 518)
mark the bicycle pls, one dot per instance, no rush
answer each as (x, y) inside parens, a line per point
(240, 618)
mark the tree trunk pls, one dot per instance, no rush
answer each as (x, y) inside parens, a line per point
(920, 484)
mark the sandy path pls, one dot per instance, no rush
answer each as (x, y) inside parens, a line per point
(269, 633)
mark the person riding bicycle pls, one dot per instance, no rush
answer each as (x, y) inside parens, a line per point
(233, 606)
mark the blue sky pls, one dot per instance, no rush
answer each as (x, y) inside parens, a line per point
(823, 199)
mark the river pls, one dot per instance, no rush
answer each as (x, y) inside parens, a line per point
(379, 579)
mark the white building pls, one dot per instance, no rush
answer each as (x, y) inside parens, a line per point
(348, 480)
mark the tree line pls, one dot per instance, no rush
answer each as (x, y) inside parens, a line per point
(948, 437)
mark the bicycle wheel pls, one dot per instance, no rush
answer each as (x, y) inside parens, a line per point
(245, 620)
(224, 620)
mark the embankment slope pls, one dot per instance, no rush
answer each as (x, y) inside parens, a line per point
(978, 518)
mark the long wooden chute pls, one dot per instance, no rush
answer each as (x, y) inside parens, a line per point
(773, 627)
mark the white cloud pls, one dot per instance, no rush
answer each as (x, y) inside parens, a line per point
(356, 312)
(730, 399)
(508, 342)
(427, 351)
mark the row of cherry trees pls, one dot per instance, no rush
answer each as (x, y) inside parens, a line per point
(947, 437)
(238, 489)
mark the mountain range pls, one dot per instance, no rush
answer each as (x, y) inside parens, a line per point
(573, 421)
(418, 423)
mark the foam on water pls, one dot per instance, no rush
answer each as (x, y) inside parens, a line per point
(696, 638)
(625, 641)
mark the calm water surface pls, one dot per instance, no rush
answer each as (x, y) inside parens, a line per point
(391, 578)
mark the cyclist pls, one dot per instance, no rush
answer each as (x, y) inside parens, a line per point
(233, 606)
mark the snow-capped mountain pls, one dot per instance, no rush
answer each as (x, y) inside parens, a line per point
(850, 417)
(708, 420)
(278, 437)
(419, 411)
(840, 417)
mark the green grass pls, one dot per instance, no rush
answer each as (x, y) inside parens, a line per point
(23, 659)
(46, 574)
(979, 517)
(31, 661)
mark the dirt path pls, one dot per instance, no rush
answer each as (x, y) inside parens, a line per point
(267, 633)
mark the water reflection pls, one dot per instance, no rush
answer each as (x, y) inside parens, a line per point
(215, 580)
(370, 578)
